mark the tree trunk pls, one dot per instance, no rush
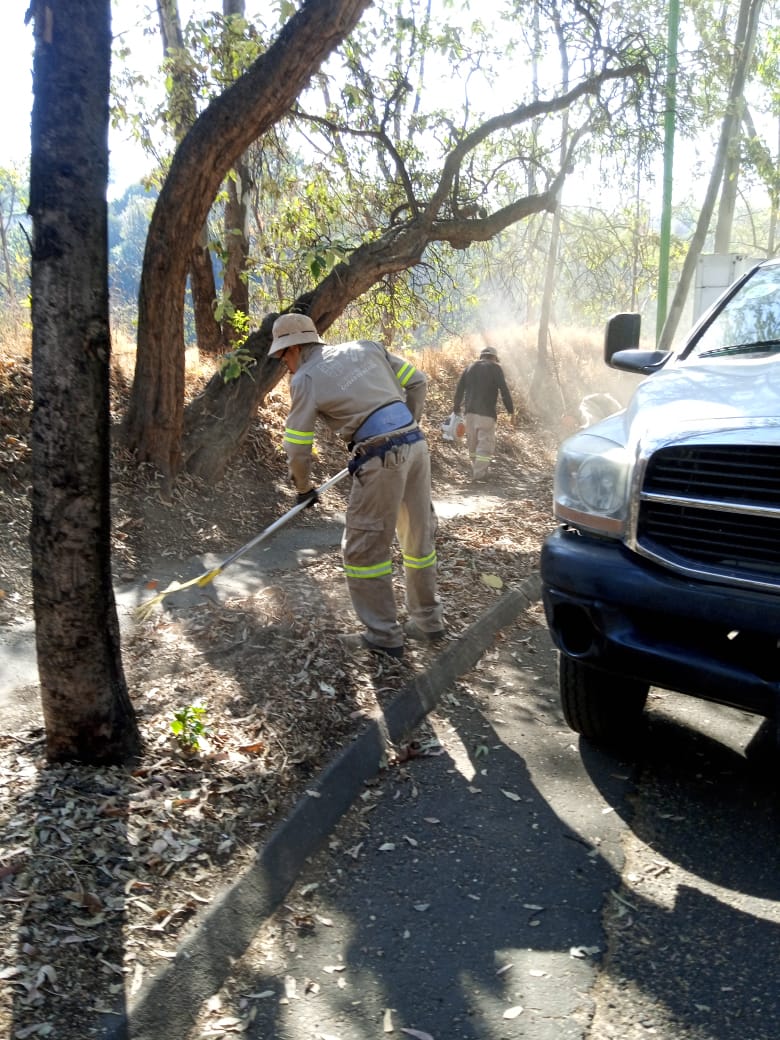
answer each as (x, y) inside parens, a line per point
(235, 287)
(9, 274)
(731, 166)
(182, 111)
(203, 289)
(716, 178)
(545, 388)
(234, 284)
(86, 707)
(155, 418)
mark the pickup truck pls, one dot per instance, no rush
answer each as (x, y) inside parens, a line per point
(664, 570)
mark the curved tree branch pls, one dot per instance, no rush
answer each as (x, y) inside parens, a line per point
(249, 107)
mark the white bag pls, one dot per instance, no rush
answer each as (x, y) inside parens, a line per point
(454, 429)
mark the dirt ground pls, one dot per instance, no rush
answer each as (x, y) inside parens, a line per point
(100, 869)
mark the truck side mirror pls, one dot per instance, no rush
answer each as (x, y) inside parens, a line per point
(621, 346)
(622, 333)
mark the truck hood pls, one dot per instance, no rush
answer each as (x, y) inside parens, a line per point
(689, 399)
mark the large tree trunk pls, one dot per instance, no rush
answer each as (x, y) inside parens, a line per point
(154, 422)
(86, 707)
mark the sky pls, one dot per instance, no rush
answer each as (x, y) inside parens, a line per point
(128, 163)
(16, 48)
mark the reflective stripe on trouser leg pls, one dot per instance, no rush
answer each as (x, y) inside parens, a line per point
(366, 547)
(481, 435)
(417, 535)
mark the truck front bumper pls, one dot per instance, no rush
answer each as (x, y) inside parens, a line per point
(613, 610)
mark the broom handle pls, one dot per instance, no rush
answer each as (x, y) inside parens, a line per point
(272, 528)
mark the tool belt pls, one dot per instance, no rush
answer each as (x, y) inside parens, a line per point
(383, 420)
(380, 448)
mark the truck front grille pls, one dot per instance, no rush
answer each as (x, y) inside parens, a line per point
(714, 508)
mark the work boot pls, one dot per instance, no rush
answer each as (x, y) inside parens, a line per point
(357, 641)
(413, 631)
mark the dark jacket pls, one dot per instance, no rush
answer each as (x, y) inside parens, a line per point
(480, 384)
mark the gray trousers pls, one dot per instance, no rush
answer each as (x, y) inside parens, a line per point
(480, 442)
(392, 496)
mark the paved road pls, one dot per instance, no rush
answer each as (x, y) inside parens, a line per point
(518, 868)
(462, 896)
(696, 938)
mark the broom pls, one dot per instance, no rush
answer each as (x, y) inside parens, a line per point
(145, 609)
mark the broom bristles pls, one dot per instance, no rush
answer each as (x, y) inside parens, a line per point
(144, 610)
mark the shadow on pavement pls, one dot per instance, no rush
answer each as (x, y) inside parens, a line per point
(458, 897)
(698, 922)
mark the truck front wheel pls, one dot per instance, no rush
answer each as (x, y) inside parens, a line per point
(604, 708)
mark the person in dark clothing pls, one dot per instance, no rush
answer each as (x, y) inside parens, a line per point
(478, 389)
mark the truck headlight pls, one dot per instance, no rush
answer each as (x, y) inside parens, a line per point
(592, 480)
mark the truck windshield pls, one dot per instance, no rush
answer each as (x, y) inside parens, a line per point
(749, 324)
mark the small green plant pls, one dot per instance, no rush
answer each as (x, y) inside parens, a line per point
(189, 725)
(234, 364)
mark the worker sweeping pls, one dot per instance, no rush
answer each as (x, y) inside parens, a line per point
(373, 401)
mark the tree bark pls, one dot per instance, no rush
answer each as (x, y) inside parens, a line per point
(203, 290)
(87, 711)
(154, 421)
(544, 386)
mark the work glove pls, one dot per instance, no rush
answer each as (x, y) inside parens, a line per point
(308, 498)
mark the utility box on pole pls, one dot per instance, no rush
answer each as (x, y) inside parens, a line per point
(714, 273)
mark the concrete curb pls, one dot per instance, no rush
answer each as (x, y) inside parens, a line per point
(168, 1004)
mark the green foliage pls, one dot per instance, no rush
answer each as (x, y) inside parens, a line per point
(235, 364)
(370, 146)
(189, 725)
(323, 258)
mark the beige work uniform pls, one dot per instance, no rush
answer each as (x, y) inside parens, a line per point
(344, 385)
(480, 442)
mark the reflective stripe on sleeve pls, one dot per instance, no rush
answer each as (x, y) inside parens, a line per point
(405, 373)
(378, 570)
(298, 436)
(419, 563)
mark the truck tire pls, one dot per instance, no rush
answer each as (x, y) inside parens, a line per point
(604, 708)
